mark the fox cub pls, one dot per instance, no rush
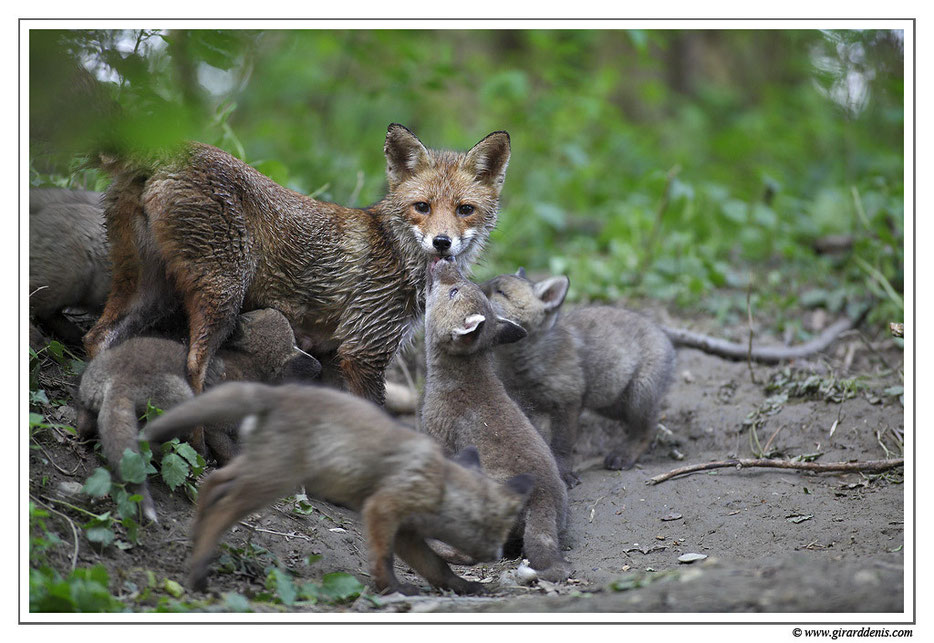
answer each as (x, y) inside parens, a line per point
(208, 232)
(117, 385)
(609, 360)
(346, 450)
(68, 258)
(465, 403)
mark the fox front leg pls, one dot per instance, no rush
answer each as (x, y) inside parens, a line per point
(364, 375)
(381, 519)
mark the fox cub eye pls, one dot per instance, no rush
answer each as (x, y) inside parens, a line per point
(465, 210)
(422, 207)
(501, 294)
(452, 293)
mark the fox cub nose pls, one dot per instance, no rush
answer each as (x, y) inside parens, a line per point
(442, 242)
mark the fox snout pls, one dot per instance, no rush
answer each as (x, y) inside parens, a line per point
(443, 244)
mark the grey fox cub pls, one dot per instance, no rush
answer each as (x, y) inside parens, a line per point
(117, 385)
(346, 450)
(465, 403)
(68, 260)
(610, 360)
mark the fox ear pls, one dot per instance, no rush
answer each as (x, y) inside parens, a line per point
(508, 331)
(404, 153)
(488, 159)
(301, 367)
(521, 484)
(473, 324)
(552, 291)
(469, 458)
(521, 273)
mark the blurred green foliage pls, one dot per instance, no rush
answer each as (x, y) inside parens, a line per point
(686, 166)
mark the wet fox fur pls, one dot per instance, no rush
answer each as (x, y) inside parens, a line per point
(610, 360)
(465, 403)
(208, 232)
(347, 450)
(117, 384)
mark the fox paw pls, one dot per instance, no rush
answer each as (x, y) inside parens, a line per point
(570, 478)
(463, 586)
(407, 589)
(617, 461)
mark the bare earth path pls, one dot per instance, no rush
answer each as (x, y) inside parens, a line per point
(774, 540)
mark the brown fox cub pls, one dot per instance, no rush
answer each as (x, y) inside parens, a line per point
(346, 450)
(68, 262)
(465, 403)
(210, 233)
(117, 385)
(609, 360)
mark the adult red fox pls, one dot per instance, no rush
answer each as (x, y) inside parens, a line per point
(205, 231)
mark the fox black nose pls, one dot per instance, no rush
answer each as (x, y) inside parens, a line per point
(442, 242)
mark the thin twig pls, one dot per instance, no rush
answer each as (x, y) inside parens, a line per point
(52, 462)
(657, 225)
(275, 533)
(871, 466)
(765, 449)
(71, 506)
(352, 201)
(407, 375)
(752, 373)
(74, 530)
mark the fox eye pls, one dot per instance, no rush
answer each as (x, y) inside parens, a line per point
(422, 207)
(465, 210)
(502, 294)
(452, 293)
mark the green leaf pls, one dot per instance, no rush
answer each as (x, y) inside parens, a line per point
(341, 586)
(102, 535)
(98, 484)
(132, 466)
(236, 602)
(127, 507)
(279, 581)
(174, 470)
(173, 588)
(36, 419)
(186, 451)
(38, 397)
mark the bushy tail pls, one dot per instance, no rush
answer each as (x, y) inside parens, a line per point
(223, 404)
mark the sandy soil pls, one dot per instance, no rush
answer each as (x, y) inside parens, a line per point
(775, 541)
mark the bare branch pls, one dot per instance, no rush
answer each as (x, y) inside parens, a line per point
(869, 466)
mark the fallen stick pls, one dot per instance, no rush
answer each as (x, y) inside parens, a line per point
(869, 466)
(765, 354)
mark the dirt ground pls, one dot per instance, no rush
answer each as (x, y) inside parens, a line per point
(774, 540)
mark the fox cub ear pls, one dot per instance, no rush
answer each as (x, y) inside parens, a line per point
(473, 324)
(508, 331)
(469, 458)
(552, 291)
(405, 154)
(521, 484)
(488, 159)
